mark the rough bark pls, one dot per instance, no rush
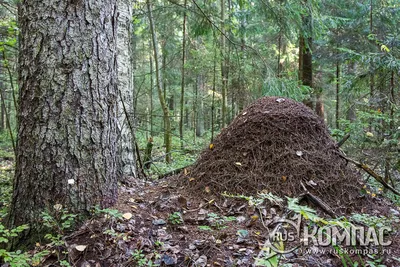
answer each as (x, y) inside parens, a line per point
(66, 149)
(126, 142)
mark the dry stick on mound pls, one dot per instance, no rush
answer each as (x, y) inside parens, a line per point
(317, 201)
(372, 173)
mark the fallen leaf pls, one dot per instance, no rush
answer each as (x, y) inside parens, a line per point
(211, 146)
(80, 247)
(185, 171)
(127, 215)
(284, 178)
(58, 207)
(191, 179)
(280, 100)
(238, 163)
(299, 153)
(207, 189)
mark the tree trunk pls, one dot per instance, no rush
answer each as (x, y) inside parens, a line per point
(200, 106)
(337, 117)
(182, 102)
(213, 93)
(224, 66)
(301, 53)
(151, 95)
(307, 73)
(126, 142)
(159, 85)
(319, 104)
(67, 134)
(3, 106)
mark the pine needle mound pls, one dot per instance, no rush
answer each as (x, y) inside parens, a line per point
(277, 145)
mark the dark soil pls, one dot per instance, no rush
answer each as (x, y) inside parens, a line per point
(186, 244)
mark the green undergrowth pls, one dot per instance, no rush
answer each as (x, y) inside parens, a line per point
(180, 157)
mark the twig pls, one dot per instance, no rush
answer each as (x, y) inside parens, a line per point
(372, 173)
(344, 139)
(319, 202)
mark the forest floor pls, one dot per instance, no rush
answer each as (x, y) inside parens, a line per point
(163, 225)
(273, 189)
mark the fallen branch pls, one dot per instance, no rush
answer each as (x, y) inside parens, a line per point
(344, 139)
(173, 172)
(372, 173)
(317, 201)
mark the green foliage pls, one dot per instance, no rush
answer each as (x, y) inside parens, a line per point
(7, 234)
(18, 258)
(59, 221)
(216, 222)
(374, 221)
(112, 213)
(259, 200)
(205, 228)
(141, 260)
(175, 218)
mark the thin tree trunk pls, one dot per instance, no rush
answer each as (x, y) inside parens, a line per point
(223, 67)
(392, 101)
(279, 54)
(337, 118)
(301, 53)
(182, 102)
(159, 86)
(213, 93)
(8, 122)
(151, 95)
(200, 107)
(307, 71)
(3, 106)
(319, 105)
(196, 86)
(67, 134)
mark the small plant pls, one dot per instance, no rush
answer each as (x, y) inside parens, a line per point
(64, 263)
(257, 201)
(140, 259)
(175, 218)
(112, 213)
(375, 262)
(205, 228)
(60, 220)
(18, 258)
(216, 221)
(373, 221)
(158, 243)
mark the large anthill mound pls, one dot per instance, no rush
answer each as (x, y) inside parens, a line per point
(277, 144)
